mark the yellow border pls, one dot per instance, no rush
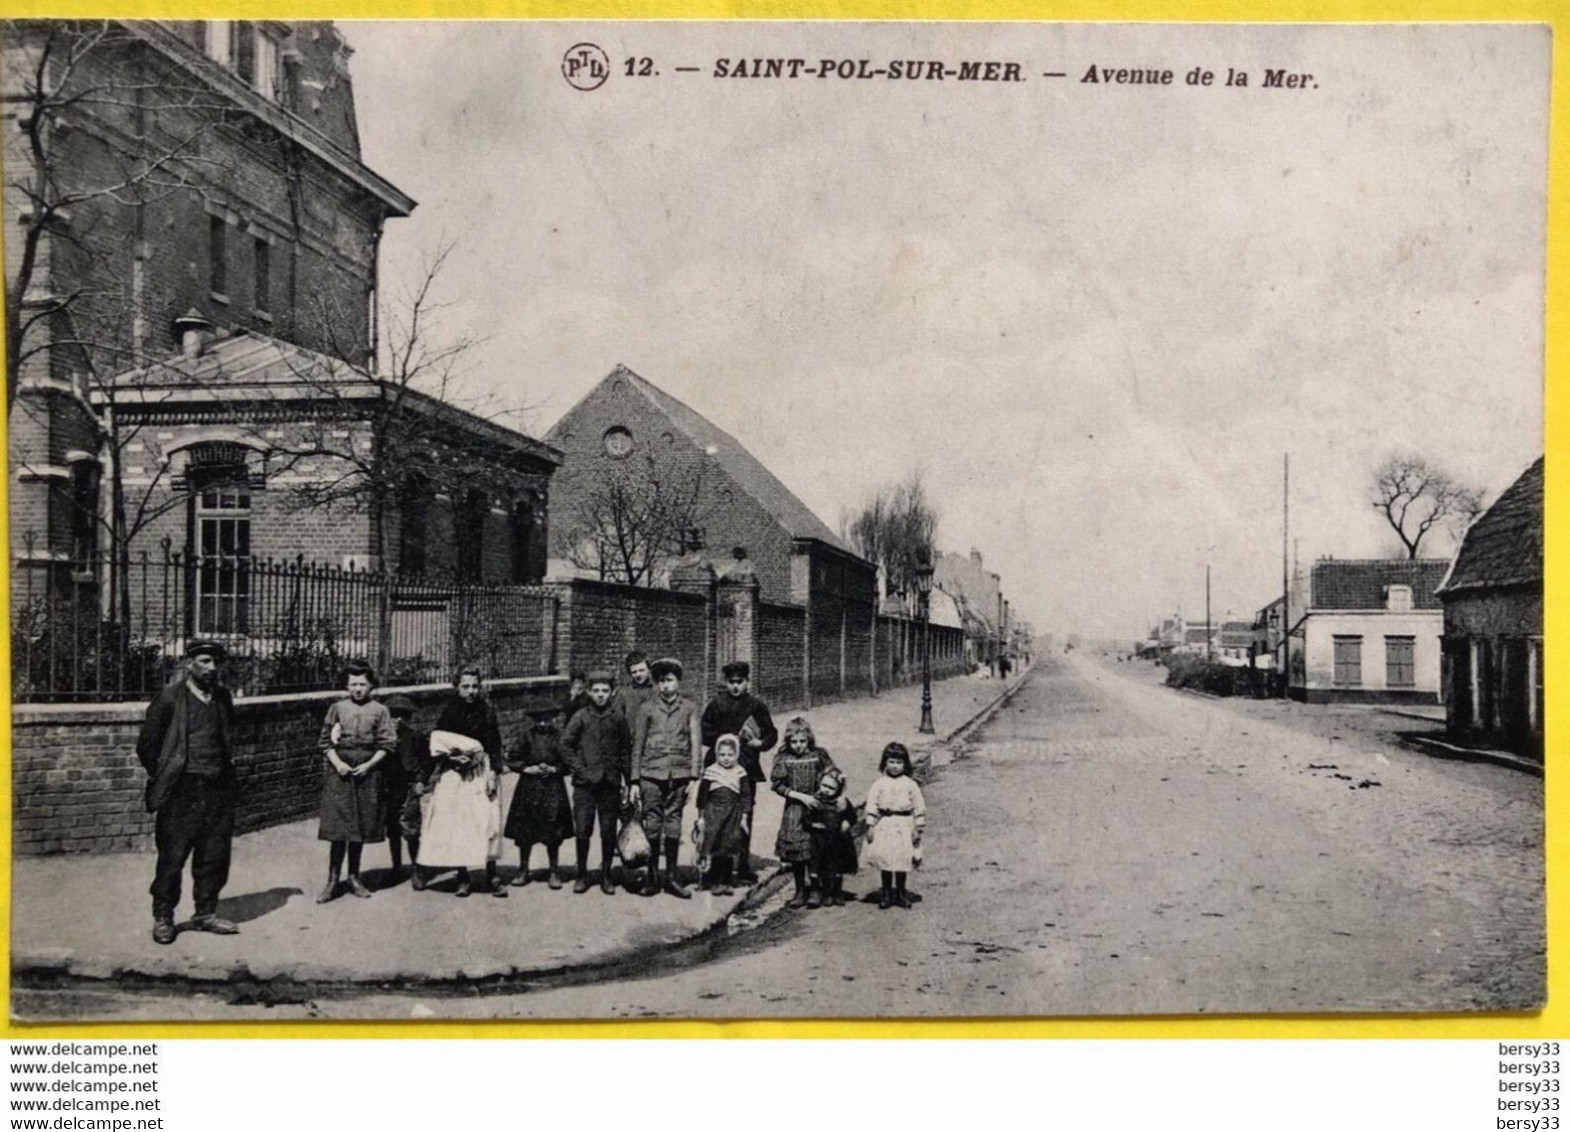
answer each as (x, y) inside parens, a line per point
(1553, 1022)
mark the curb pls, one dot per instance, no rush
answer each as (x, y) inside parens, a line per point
(242, 985)
(1443, 750)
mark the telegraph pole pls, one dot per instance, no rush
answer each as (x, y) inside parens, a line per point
(1210, 626)
(1286, 578)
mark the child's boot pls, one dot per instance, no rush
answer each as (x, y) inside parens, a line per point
(901, 900)
(672, 884)
(886, 895)
(815, 892)
(581, 885)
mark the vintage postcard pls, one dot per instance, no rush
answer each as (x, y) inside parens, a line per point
(817, 520)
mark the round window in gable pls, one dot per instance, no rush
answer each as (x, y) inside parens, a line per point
(618, 442)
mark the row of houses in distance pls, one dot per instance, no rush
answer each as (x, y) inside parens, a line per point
(1466, 632)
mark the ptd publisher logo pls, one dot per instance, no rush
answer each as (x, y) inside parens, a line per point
(585, 66)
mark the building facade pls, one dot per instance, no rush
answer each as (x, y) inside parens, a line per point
(1493, 623)
(198, 415)
(1370, 632)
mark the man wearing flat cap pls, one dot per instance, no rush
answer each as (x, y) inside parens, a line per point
(667, 754)
(191, 787)
(736, 711)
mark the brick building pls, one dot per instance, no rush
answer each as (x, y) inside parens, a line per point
(1493, 621)
(196, 239)
(978, 592)
(625, 433)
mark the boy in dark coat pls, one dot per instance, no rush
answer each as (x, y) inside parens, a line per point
(738, 712)
(597, 748)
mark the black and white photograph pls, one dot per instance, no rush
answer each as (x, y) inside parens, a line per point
(823, 520)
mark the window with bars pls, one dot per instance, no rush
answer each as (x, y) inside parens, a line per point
(1348, 661)
(1400, 662)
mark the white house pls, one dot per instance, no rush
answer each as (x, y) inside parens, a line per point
(1371, 632)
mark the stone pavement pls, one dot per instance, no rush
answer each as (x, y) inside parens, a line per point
(88, 917)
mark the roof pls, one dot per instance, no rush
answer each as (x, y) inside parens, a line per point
(1504, 547)
(253, 367)
(1237, 638)
(1362, 583)
(743, 468)
(1196, 636)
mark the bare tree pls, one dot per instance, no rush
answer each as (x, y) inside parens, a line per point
(64, 80)
(896, 530)
(398, 432)
(631, 521)
(1415, 496)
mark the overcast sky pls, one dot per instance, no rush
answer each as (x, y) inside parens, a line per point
(1094, 315)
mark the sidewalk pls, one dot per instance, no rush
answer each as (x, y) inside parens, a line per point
(89, 917)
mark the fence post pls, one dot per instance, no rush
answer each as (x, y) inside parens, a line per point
(383, 622)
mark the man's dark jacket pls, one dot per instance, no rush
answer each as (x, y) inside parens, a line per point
(727, 715)
(161, 747)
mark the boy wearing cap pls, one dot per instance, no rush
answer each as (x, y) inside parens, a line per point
(191, 787)
(667, 754)
(736, 711)
(597, 747)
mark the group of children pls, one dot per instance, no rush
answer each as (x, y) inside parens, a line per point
(439, 793)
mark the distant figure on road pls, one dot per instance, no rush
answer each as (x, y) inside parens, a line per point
(184, 746)
(738, 712)
(896, 814)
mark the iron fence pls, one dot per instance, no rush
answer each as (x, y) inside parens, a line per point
(97, 629)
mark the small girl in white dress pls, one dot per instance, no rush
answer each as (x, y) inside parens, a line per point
(896, 814)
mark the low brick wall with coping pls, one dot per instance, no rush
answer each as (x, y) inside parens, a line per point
(77, 785)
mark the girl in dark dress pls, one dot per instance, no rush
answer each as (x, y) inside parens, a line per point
(798, 767)
(540, 813)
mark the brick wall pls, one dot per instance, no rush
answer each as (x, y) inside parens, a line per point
(77, 785)
(600, 623)
(778, 675)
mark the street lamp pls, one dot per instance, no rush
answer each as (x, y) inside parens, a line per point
(924, 587)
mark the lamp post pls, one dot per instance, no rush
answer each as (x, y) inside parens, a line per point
(924, 587)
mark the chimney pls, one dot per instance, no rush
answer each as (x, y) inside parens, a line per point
(193, 333)
(975, 556)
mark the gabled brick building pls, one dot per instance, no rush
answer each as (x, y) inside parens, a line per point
(1493, 621)
(627, 430)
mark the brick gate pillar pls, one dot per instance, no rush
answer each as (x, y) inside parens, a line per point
(694, 575)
